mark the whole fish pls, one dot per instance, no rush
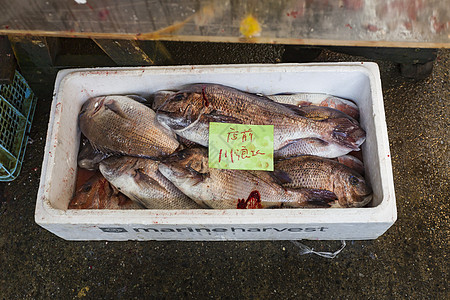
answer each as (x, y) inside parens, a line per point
(305, 99)
(97, 193)
(189, 111)
(119, 124)
(140, 180)
(223, 189)
(320, 173)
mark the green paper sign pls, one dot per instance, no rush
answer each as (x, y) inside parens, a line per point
(240, 146)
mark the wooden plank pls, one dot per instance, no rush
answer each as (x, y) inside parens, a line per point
(7, 61)
(399, 23)
(73, 53)
(231, 39)
(35, 61)
(124, 52)
(157, 51)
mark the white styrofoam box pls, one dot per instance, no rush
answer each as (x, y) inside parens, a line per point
(357, 81)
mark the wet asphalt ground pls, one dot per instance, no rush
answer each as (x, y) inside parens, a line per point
(410, 261)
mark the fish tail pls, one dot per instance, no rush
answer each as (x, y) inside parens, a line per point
(346, 133)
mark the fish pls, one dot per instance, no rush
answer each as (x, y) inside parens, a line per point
(310, 146)
(316, 146)
(98, 193)
(189, 111)
(305, 99)
(120, 125)
(308, 171)
(227, 189)
(140, 180)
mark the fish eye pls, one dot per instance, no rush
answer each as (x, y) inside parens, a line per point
(179, 96)
(353, 180)
(87, 188)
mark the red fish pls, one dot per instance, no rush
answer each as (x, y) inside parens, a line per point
(98, 193)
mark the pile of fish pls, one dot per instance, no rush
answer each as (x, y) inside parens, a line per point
(152, 154)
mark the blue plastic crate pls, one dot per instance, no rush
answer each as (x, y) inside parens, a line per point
(17, 105)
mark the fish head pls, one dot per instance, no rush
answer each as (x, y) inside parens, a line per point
(91, 193)
(134, 176)
(186, 167)
(123, 170)
(160, 97)
(117, 166)
(354, 190)
(180, 109)
(97, 111)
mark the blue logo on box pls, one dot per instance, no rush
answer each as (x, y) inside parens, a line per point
(113, 229)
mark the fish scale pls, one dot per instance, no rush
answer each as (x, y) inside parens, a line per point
(119, 124)
(314, 172)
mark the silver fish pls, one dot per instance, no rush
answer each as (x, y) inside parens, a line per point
(310, 146)
(305, 99)
(189, 111)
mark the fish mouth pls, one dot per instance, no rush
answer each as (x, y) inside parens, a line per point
(91, 109)
(365, 200)
(355, 204)
(97, 106)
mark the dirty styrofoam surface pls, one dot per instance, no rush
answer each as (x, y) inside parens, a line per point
(359, 82)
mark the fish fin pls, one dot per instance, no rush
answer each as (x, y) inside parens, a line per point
(198, 176)
(319, 198)
(115, 191)
(116, 109)
(281, 177)
(283, 94)
(105, 151)
(186, 143)
(296, 109)
(143, 180)
(214, 116)
(138, 98)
